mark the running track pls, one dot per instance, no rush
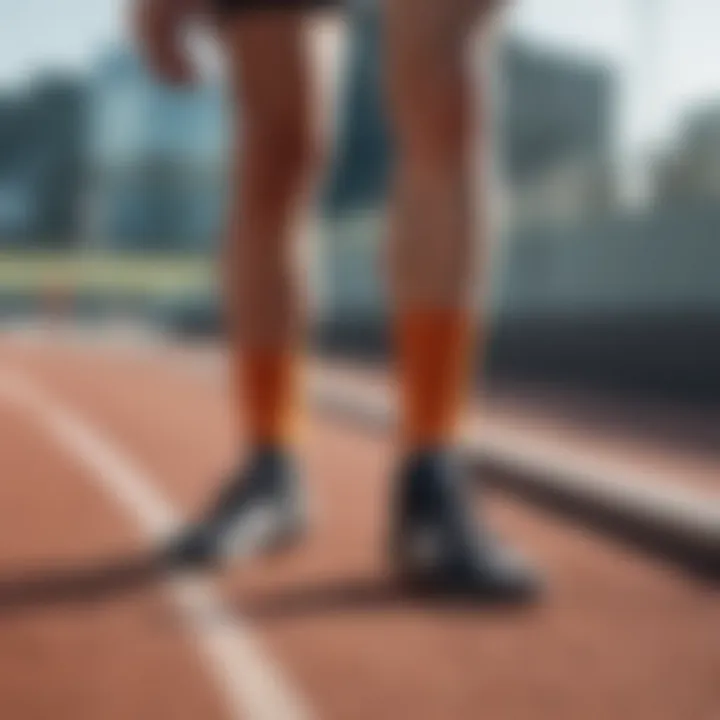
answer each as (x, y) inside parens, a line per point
(101, 451)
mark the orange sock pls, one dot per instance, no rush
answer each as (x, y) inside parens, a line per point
(434, 348)
(268, 386)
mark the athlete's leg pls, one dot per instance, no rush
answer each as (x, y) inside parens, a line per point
(274, 156)
(274, 162)
(435, 239)
(436, 234)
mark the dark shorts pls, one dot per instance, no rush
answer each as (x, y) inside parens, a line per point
(228, 7)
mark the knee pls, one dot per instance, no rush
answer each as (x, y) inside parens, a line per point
(284, 153)
(433, 119)
(437, 137)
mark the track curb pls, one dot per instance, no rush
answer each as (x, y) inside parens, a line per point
(670, 522)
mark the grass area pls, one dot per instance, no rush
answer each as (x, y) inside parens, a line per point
(146, 274)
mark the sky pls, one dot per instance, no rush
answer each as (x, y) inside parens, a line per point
(684, 66)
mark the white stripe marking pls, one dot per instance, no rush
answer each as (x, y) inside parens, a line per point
(252, 686)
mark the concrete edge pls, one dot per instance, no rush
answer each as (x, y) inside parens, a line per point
(669, 522)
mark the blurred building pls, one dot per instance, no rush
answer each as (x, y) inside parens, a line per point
(157, 160)
(690, 171)
(556, 107)
(570, 192)
(16, 191)
(42, 162)
(359, 177)
(555, 127)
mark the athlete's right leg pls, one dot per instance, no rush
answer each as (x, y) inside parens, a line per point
(274, 157)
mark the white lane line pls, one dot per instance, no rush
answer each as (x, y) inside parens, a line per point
(253, 686)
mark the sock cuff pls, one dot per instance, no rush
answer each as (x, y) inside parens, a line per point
(269, 382)
(434, 356)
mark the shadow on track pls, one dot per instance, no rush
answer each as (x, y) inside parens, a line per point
(108, 579)
(102, 579)
(363, 595)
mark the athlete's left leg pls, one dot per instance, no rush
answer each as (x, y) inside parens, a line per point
(437, 224)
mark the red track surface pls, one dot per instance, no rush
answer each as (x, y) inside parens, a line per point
(617, 637)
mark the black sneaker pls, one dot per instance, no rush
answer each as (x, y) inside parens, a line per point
(262, 509)
(437, 544)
